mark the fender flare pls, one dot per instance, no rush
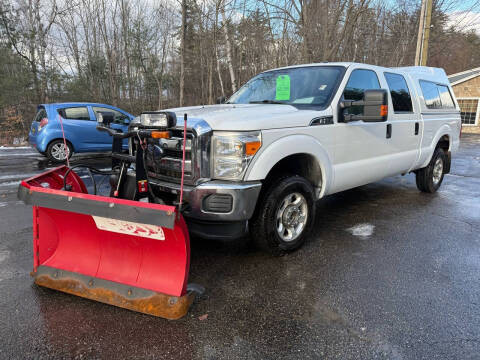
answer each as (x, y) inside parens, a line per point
(444, 130)
(270, 155)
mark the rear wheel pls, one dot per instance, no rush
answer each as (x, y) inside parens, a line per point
(430, 177)
(56, 151)
(284, 215)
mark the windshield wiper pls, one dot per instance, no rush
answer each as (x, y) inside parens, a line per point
(267, 102)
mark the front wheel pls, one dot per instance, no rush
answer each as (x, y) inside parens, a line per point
(284, 216)
(56, 151)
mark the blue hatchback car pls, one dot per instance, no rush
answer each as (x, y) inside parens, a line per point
(79, 124)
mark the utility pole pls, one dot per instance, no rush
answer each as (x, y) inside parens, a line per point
(421, 54)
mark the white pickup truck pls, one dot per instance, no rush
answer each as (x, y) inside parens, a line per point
(290, 136)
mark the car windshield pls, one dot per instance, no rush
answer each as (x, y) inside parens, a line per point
(311, 85)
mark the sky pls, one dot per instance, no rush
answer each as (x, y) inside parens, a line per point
(465, 20)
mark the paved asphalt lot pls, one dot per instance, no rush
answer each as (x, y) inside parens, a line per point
(389, 273)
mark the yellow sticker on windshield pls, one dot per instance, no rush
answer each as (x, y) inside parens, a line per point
(282, 91)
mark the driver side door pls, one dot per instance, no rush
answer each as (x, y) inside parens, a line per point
(362, 149)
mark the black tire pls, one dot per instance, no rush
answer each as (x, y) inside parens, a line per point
(429, 179)
(52, 151)
(264, 227)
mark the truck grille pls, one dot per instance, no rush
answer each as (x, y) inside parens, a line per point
(169, 167)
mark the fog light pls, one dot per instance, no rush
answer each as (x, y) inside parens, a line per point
(219, 203)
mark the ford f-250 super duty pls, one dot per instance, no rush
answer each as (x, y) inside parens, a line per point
(290, 136)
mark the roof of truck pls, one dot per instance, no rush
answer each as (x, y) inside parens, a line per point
(434, 74)
(416, 72)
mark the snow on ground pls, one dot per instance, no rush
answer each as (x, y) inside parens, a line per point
(8, 184)
(14, 147)
(362, 230)
(17, 176)
(7, 154)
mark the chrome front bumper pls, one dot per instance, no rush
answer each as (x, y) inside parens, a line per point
(243, 196)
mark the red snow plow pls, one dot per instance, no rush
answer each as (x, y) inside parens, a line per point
(126, 249)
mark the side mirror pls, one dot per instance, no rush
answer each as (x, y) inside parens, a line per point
(221, 100)
(105, 118)
(374, 103)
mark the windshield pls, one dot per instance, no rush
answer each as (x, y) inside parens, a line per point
(311, 85)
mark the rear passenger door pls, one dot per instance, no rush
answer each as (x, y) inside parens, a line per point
(407, 126)
(438, 109)
(79, 127)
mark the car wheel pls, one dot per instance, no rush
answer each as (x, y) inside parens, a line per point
(430, 177)
(56, 151)
(284, 215)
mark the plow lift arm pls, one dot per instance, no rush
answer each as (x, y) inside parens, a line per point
(116, 250)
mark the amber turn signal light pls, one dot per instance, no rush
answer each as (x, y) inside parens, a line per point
(251, 148)
(383, 110)
(161, 134)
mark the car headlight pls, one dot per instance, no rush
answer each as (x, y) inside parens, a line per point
(232, 152)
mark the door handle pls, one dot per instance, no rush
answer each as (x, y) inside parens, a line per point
(417, 128)
(389, 131)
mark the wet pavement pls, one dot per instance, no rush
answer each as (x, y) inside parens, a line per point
(389, 273)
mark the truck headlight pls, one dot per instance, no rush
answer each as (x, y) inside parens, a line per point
(161, 119)
(232, 152)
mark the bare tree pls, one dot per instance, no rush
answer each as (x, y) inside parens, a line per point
(182, 51)
(228, 47)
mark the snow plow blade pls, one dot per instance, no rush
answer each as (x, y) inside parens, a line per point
(125, 253)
